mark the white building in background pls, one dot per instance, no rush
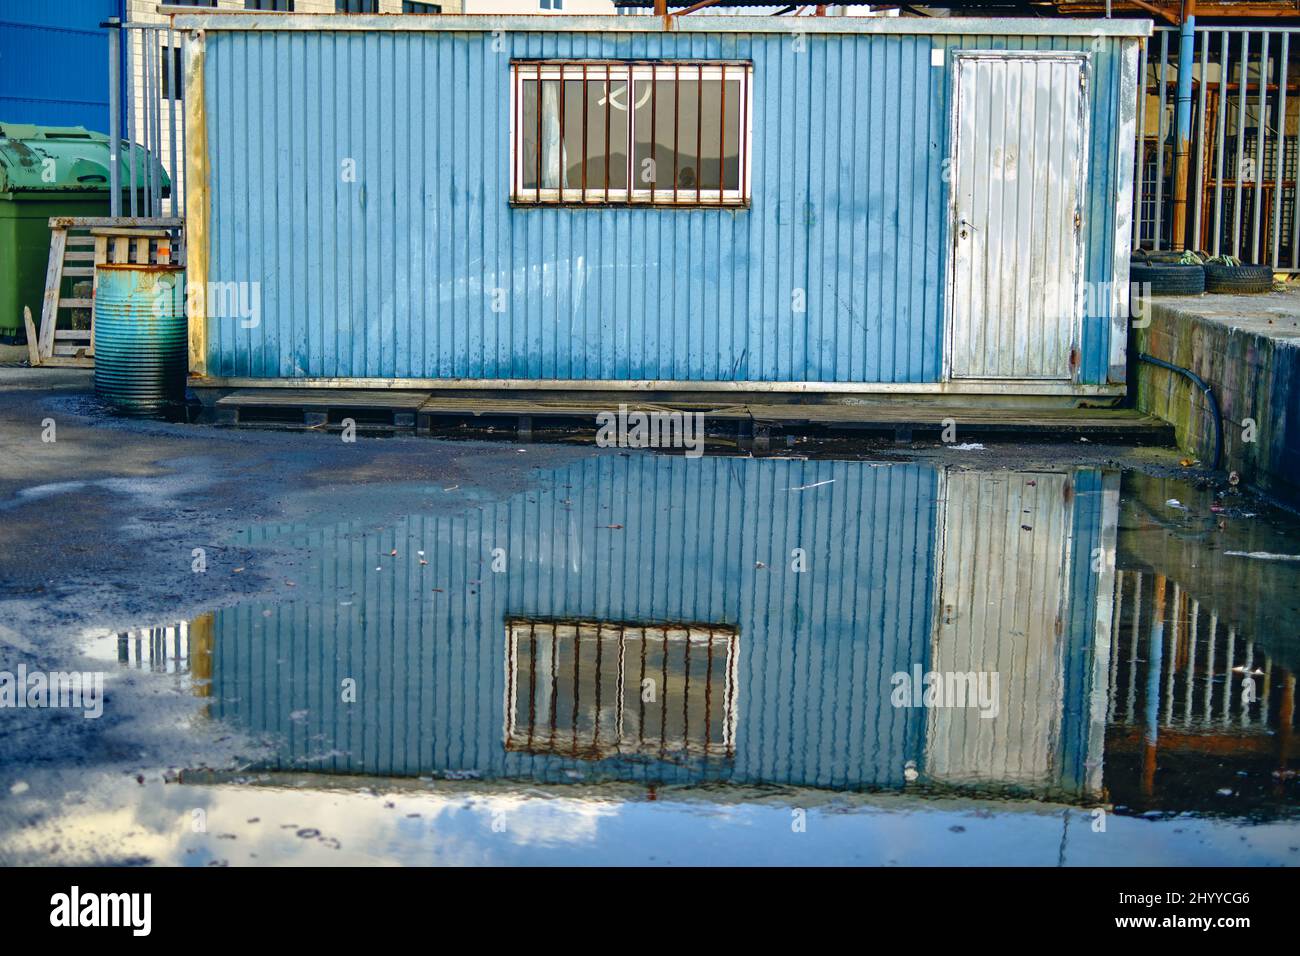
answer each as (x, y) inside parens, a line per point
(168, 69)
(539, 6)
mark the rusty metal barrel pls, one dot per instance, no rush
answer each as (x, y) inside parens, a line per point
(141, 348)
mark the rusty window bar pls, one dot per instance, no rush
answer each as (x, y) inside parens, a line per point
(609, 103)
(699, 151)
(708, 695)
(595, 723)
(577, 681)
(539, 133)
(561, 157)
(654, 142)
(686, 683)
(555, 682)
(663, 699)
(640, 723)
(532, 681)
(628, 92)
(584, 132)
(722, 193)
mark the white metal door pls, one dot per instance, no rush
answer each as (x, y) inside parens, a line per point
(1020, 135)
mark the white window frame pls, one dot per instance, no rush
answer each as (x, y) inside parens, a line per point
(522, 71)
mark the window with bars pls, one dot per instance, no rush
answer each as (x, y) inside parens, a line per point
(662, 133)
(582, 689)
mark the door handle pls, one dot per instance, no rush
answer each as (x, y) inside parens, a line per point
(964, 225)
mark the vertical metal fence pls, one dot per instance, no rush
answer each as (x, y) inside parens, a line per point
(1241, 194)
(153, 57)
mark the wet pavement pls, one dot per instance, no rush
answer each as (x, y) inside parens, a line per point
(527, 654)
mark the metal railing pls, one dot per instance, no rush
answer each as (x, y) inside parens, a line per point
(1240, 165)
(151, 58)
(163, 650)
(1175, 664)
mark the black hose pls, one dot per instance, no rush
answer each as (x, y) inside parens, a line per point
(1209, 395)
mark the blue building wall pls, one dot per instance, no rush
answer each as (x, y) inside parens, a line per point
(391, 276)
(54, 61)
(705, 541)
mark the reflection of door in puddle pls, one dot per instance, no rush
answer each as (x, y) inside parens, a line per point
(1003, 605)
(592, 690)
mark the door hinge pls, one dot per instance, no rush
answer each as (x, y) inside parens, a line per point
(1078, 220)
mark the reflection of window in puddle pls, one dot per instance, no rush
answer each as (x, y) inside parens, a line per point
(593, 690)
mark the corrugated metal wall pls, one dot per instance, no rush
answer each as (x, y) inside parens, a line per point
(54, 58)
(816, 650)
(391, 276)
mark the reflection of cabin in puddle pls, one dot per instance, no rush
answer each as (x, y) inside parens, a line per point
(595, 690)
(540, 672)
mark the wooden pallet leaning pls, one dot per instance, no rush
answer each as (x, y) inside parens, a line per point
(77, 245)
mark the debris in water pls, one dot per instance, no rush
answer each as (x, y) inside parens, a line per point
(1175, 503)
(1263, 555)
(968, 446)
(818, 484)
(20, 787)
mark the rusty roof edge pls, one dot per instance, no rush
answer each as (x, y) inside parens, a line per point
(185, 18)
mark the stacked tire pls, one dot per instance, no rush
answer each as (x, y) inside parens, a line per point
(1157, 275)
(1238, 279)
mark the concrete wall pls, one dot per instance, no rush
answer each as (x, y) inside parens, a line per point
(1248, 349)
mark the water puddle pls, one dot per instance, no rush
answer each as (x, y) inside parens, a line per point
(908, 652)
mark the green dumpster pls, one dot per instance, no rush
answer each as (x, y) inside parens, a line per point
(49, 171)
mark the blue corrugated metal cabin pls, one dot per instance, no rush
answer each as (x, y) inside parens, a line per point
(762, 675)
(848, 205)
